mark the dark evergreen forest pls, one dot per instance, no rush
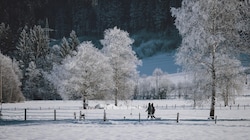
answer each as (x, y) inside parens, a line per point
(143, 19)
(35, 34)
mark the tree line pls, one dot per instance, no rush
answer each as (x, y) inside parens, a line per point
(214, 35)
(89, 17)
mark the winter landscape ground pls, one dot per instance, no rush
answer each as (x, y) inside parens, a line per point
(123, 121)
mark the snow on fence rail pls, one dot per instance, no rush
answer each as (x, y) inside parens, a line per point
(161, 107)
(234, 106)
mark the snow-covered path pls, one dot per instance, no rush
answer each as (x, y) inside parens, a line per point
(128, 131)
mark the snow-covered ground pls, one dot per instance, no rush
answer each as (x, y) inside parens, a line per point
(123, 122)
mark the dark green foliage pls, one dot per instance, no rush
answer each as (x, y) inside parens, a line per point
(6, 39)
(20, 38)
(88, 17)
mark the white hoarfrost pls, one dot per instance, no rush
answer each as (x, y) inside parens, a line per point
(210, 36)
(117, 47)
(88, 73)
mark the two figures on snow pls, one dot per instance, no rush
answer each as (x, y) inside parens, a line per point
(151, 110)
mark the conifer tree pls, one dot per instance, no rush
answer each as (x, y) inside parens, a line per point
(6, 40)
(65, 48)
(73, 40)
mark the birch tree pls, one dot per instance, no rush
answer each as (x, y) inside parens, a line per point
(117, 47)
(208, 29)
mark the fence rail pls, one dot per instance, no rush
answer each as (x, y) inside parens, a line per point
(172, 112)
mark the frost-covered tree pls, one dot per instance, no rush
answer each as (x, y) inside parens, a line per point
(88, 73)
(65, 48)
(157, 73)
(73, 40)
(230, 79)
(33, 46)
(39, 44)
(199, 88)
(244, 25)
(31, 85)
(55, 54)
(208, 29)
(117, 47)
(23, 53)
(10, 76)
(146, 87)
(165, 87)
(68, 46)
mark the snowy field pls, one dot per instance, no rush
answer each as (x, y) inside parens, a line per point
(128, 121)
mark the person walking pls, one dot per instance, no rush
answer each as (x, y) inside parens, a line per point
(153, 111)
(149, 110)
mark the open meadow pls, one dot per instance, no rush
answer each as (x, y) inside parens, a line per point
(61, 120)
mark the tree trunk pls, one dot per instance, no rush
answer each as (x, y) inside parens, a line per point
(116, 94)
(226, 97)
(1, 87)
(226, 100)
(1, 84)
(84, 101)
(212, 109)
(194, 103)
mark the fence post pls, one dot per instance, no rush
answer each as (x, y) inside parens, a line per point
(80, 115)
(177, 119)
(25, 114)
(104, 116)
(215, 120)
(139, 117)
(238, 106)
(54, 114)
(75, 115)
